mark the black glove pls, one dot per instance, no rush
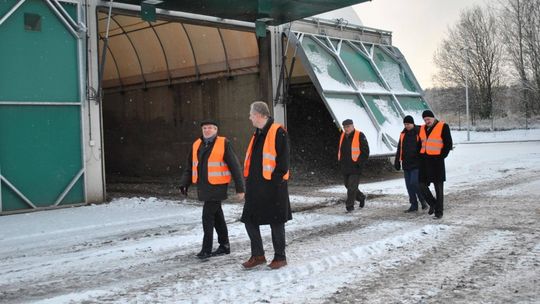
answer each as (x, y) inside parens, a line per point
(397, 165)
(183, 190)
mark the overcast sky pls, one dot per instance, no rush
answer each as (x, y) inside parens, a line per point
(417, 27)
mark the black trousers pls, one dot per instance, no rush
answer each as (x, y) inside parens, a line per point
(278, 240)
(351, 182)
(212, 217)
(436, 203)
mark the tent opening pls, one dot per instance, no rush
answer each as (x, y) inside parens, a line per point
(160, 80)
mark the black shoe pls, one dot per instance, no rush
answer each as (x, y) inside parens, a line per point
(222, 249)
(362, 200)
(350, 209)
(410, 210)
(424, 205)
(204, 255)
(431, 210)
(437, 217)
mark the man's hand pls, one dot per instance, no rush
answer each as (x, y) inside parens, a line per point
(240, 196)
(183, 190)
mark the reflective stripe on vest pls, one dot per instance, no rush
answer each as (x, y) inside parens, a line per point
(218, 171)
(269, 154)
(432, 144)
(355, 146)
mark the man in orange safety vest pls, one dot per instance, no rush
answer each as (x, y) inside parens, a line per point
(353, 152)
(436, 141)
(210, 165)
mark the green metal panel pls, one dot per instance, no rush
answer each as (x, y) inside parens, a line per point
(415, 104)
(360, 69)
(382, 107)
(71, 9)
(5, 6)
(277, 11)
(387, 114)
(40, 145)
(37, 66)
(329, 73)
(15, 202)
(366, 45)
(354, 99)
(392, 72)
(326, 42)
(75, 195)
(40, 153)
(335, 42)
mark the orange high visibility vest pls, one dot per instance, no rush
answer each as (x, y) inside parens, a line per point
(218, 171)
(432, 144)
(401, 136)
(355, 147)
(269, 154)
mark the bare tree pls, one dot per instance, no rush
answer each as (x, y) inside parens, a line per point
(472, 48)
(532, 44)
(517, 20)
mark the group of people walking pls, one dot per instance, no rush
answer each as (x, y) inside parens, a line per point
(212, 164)
(421, 152)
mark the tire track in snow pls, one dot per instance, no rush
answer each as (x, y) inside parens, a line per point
(435, 274)
(378, 242)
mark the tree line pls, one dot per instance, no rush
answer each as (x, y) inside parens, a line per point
(496, 51)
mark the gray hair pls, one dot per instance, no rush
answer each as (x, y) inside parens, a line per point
(260, 107)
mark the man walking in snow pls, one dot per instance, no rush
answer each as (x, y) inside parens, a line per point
(436, 144)
(408, 158)
(210, 164)
(266, 169)
(353, 151)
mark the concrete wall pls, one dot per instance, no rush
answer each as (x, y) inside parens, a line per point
(149, 133)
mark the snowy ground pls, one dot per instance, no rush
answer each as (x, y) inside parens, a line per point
(486, 249)
(500, 136)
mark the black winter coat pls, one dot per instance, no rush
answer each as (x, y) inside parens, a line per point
(432, 168)
(411, 150)
(267, 201)
(346, 163)
(206, 191)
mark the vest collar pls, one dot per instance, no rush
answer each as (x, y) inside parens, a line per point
(209, 140)
(266, 127)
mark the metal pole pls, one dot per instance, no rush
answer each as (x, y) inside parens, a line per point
(104, 53)
(467, 95)
(467, 105)
(11, 11)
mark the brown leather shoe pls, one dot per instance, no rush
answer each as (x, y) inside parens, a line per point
(254, 261)
(275, 264)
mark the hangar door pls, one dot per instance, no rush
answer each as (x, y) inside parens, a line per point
(367, 82)
(41, 163)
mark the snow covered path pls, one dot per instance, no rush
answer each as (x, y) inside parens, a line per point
(485, 249)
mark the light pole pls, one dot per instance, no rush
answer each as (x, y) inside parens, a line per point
(467, 93)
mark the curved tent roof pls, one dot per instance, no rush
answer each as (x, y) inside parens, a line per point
(141, 52)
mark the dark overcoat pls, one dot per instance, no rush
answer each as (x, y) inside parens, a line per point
(267, 201)
(411, 150)
(346, 163)
(432, 168)
(206, 191)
